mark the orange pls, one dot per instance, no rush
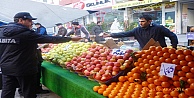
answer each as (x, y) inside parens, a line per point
(192, 85)
(173, 56)
(185, 68)
(95, 88)
(179, 51)
(189, 58)
(154, 53)
(182, 95)
(187, 52)
(165, 84)
(160, 53)
(174, 93)
(152, 48)
(181, 57)
(166, 55)
(189, 91)
(158, 48)
(191, 64)
(165, 49)
(122, 78)
(189, 75)
(171, 50)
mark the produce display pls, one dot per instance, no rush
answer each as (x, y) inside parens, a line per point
(99, 63)
(64, 52)
(145, 79)
(92, 60)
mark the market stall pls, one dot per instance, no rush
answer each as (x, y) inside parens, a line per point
(67, 84)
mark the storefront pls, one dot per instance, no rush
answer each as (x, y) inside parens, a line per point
(176, 15)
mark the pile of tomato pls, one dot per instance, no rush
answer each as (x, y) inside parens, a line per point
(144, 80)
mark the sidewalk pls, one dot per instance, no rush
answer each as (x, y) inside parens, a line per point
(49, 95)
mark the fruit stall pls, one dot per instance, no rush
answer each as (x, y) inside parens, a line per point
(91, 70)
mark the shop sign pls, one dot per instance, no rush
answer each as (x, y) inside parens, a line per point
(134, 3)
(91, 4)
(144, 8)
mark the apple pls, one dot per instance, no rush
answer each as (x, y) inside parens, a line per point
(86, 72)
(121, 61)
(126, 64)
(129, 51)
(119, 57)
(130, 59)
(102, 63)
(104, 67)
(116, 68)
(97, 76)
(101, 71)
(98, 65)
(122, 67)
(96, 69)
(109, 67)
(112, 60)
(96, 55)
(117, 64)
(106, 77)
(114, 73)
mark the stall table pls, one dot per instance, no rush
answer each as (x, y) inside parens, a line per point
(67, 84)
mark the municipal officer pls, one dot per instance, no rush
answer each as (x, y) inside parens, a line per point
(19, 59)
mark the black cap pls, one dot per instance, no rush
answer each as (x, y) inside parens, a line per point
(75, 23)
(37, 24)
(58, 24)
(24, 15)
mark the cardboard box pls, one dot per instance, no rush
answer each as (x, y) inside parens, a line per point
(110, 43)
(151, 42)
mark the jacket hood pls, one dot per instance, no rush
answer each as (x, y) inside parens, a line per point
(13, 29)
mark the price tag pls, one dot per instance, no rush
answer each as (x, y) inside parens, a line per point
(167, 69)
(118, 52)
(66, 47)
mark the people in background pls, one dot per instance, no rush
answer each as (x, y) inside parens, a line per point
(96, 30)
(19, 59)
(79, 30)
(40, 29)
(146, 31)
(62, 30)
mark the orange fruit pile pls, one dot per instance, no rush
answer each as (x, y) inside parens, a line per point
(144, 80)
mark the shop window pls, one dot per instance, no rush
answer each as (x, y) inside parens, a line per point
(170, 20)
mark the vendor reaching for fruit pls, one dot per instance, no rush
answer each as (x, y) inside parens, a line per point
(146, 31)
(78, 30)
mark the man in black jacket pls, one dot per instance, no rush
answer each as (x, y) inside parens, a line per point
(146, 31)
(96, 30)
(62, 30)
(19, 59)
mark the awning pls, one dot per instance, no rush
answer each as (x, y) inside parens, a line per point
(47, 14)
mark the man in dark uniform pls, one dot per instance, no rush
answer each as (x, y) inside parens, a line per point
(62, 30)
(19, 59)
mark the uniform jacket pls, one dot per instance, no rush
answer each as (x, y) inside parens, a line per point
(77, 32)
(96, 30)
(20, 55)
(143, 35)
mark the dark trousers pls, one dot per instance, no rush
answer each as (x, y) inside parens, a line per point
(26, 83)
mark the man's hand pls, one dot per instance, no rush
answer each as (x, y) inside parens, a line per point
(76, 38)
(104, 34)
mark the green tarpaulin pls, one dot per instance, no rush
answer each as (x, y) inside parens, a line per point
(67, 84)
